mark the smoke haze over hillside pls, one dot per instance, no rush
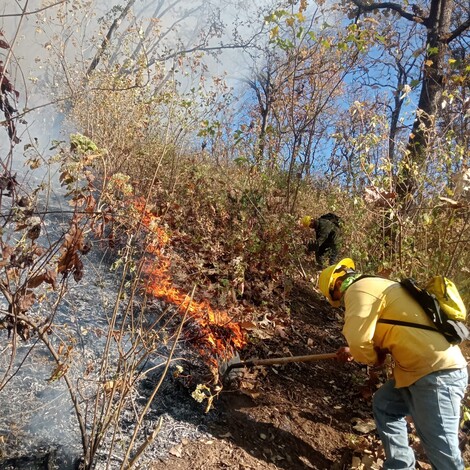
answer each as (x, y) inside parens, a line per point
(56, 44)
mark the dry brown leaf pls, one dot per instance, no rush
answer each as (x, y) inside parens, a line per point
(281, 331)
(112, 384)
(262, 333)
(26, 301)
(58, 372)
(247, 325)
(49, 277)
(363, 426)
(177, 451)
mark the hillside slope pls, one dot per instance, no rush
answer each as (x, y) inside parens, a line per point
(296, 416)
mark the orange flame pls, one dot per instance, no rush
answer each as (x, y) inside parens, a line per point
(217, 334)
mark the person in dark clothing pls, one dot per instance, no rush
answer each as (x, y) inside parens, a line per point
(327, 237)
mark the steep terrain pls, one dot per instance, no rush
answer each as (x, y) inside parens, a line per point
(296, 416)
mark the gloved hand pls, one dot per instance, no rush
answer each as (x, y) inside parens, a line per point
(381, 355)
(344, 355)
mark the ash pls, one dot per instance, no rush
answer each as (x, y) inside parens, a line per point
(182, 418)
(38, 425)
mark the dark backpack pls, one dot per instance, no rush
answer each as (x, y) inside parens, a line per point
(454, 331)
(332, 218)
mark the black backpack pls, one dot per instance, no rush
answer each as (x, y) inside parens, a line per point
(332, 218)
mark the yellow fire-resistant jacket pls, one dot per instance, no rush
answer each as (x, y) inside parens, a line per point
(416, 352)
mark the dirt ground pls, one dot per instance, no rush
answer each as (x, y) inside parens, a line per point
(313, 415)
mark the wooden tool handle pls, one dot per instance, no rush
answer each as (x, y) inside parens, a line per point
(286, 360)
(278, 360)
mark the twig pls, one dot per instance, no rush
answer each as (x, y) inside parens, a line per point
(125, 465)
(147, 442)
(32, 12)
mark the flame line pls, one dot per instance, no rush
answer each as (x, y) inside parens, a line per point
(161, 286)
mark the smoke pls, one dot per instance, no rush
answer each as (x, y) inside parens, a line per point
(38, 416)
(56, 44)
(51, 49)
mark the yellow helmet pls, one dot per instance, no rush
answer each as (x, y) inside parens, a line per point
(305, 221)
(328, 276)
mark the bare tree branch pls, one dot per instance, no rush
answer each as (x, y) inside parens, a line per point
(107, 39)
(457, 31)
(220, 47)
(33, 12)
(385, 6)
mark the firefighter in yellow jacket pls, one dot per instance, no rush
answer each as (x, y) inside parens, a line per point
(430, 375)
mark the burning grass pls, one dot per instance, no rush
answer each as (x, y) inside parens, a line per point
(211, 331)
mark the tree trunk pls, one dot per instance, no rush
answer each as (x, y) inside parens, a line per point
(433, 83)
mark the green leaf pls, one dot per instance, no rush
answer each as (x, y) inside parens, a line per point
(270, 18)
(82, 144)
(300, 33)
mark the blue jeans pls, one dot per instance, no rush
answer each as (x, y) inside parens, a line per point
(434, 404)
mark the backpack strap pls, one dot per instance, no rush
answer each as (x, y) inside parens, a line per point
(406, 323)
